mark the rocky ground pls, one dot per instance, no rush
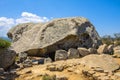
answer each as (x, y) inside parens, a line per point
(71, 69)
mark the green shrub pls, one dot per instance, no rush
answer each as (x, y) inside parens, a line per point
(48, 77)
(4, 43)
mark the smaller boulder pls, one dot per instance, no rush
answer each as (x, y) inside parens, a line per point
(110, 49)
(92, 50)
(47, 60)
(1, 71)
(73, 53)
(102, 49)
(60, 55)
(27, 63)
(7, 58)
(22, 57)
(83, 52)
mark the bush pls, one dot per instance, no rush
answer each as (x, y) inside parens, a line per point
(107, 39)
(48, 77)
(4, 43)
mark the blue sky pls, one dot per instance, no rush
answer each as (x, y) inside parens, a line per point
(103, 14)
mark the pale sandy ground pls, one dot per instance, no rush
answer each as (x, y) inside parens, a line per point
(38, 70)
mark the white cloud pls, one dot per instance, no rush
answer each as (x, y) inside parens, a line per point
(7, 23)
(29, 17)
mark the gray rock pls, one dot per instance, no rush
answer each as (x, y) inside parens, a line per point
(83, 51)
(92, 50)
(27, 63)
(61, 78)
(22, 56)
(51, 67)
(7, 58)
(47, 60)
(110, 49)
(73, 53)
(103, 61)
(102, 49)
(60, 55)
(16, 32)
(39, 39)
(1, 71)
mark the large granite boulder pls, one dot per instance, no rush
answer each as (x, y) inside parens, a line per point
(56, 34)
(104, 62)
(7, 58)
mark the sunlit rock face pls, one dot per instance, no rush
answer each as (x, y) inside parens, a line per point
(40, 39)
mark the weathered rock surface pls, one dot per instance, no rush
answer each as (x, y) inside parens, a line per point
(102, 49)
(39, 39)
(61, 55)
(103, 61)
(110, 49)
(92, 50)
(83, 51)
(73, 53)
(7, 58)
(16, 32)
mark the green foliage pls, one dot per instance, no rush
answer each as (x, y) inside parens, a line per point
(4, 43)
(48, 77)
(107, 39)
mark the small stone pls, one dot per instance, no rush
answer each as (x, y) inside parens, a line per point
(1, 70)
(60, 68)
(51, 67)
(77, 71)
(70, 69)
(47, 60)
(103, 78)
(61, 78)
(99, 69)
(29, 71)
(91, 72)
(35, 63)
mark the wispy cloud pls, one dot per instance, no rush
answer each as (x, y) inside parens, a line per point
(29, 17)
(7, 23)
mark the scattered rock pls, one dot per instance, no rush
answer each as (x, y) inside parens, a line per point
(47, 60)
(27, 63)
(60, 55)
(7, 58)
(110, 49)
(73, 53)
(83, 51)
(1, 71)
(61, 78)
(70, 69)
(51, 67)
(22, 57)
(102, 49)
(92, 50)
